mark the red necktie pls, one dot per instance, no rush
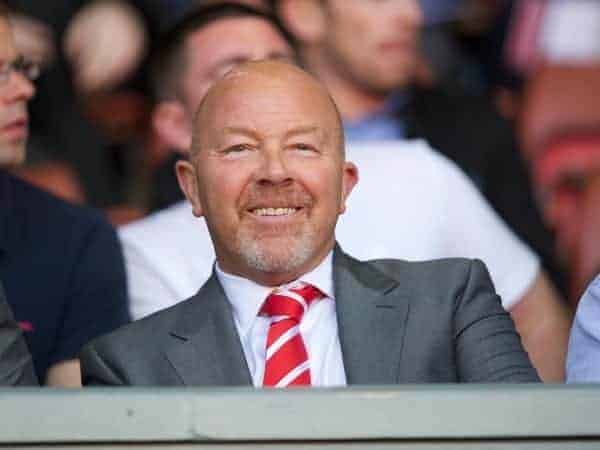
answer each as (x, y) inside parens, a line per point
(286, 361)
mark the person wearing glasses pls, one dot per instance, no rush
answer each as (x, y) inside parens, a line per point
(61, 265)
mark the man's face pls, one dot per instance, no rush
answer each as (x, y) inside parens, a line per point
(567, 176)
(213, 50)
(271, 176)
(14, 94)
(373, 43)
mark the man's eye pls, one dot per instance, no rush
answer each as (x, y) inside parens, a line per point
(304, 148)
(237, 149)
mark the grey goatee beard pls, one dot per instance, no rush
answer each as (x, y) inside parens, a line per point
(277, 254)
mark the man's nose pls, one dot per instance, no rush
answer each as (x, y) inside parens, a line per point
(19, 87)
(274, 168)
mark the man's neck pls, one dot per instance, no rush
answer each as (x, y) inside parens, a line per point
(353, 101)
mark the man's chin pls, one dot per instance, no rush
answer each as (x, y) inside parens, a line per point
(12, 155)
(276, 255)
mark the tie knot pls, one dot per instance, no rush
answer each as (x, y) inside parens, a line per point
(291, 302)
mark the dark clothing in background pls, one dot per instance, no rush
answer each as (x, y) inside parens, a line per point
(16, 366)
(62, 269)
(469, 132)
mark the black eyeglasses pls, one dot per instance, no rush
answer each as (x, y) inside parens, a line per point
(28, 69)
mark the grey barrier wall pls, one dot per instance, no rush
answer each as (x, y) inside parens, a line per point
(420, 417)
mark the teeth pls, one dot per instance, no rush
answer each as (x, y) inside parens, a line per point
(274, 211)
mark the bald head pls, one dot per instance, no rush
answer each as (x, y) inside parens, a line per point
(268, 171)
(267, 87)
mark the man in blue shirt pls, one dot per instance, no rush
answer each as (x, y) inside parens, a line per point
(61, 265)
(583, 358)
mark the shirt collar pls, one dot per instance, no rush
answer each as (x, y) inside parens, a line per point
(384, 124)
(395, 102)
(246, 296)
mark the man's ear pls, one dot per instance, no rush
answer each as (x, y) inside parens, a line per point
(305, 19)
(188, 183)
(349, 180)
(172, 124)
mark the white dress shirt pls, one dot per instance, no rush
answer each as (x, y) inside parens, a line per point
(318, 327)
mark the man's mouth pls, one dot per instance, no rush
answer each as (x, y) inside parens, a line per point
(274, 212)
(18, 122)
(16, 129)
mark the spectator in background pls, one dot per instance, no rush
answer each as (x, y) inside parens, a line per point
(559, 125)
(85, 46)
(174, 106)
(61, 265)
(429, 209)
(368, 57)
(583, 359)
(559, 130)
(16, 366)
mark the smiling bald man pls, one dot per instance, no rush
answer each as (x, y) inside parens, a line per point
(285, 306)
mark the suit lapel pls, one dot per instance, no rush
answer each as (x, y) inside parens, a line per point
(205, 348)
(372, 310)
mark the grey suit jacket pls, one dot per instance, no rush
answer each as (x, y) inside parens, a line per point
(399, 322)
(16, 365)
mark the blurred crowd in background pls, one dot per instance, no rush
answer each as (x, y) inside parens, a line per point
(535, 63)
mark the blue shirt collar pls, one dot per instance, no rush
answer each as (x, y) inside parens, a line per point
(384, 124)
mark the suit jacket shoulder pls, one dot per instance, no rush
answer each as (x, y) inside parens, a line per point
(115, 357)
(193, 343)
(424, 322)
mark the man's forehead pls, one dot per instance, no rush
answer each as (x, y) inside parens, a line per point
(249, 129)
(268, 98)
(227, 31)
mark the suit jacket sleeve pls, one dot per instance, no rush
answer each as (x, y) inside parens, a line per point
(95, 370)
(16, 365)
(488, 347)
